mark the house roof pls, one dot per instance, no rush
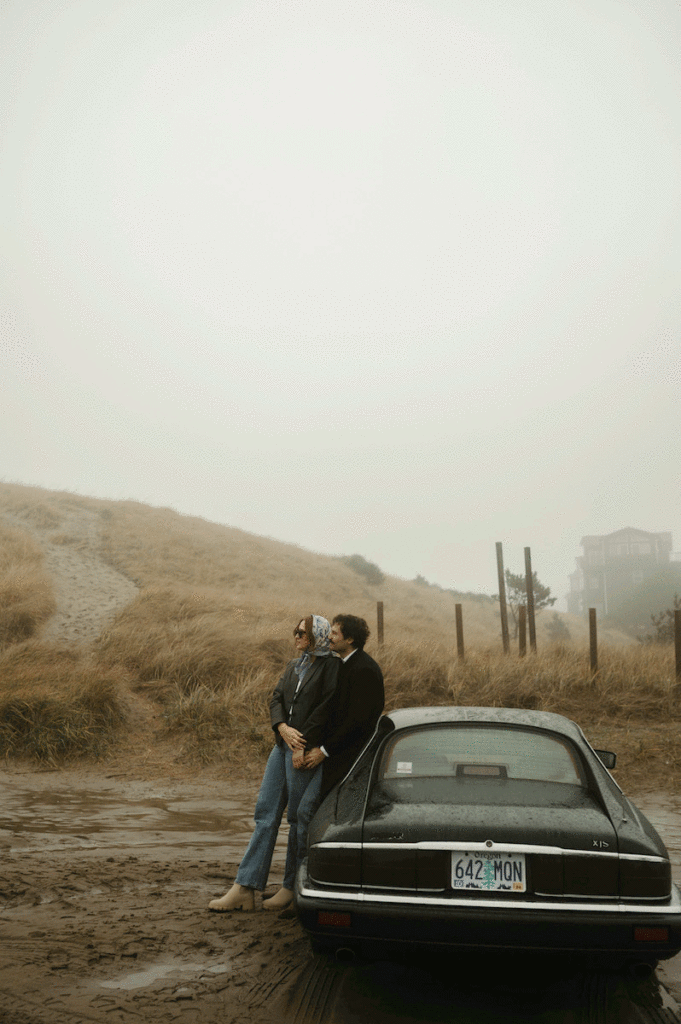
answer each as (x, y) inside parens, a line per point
(628, 531)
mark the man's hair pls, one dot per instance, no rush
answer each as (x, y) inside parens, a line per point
(353, 628)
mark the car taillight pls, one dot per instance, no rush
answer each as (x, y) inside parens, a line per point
(546, 874)
(334, 865)
(333, 919)
(389, 868)
(386, 868)
(589, 876)
(645, 878)
(433, 869)
(645, 934)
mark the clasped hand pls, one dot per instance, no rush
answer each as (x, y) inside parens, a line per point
(307, 760)
(295, 741)
(293, 738)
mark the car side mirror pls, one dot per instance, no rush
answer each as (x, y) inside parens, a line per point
(607, 757)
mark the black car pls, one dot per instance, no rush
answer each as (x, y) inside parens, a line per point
(487, 829)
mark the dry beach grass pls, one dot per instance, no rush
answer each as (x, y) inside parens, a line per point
(26, 594)
(184, 660)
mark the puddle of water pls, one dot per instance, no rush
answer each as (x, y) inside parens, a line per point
(140, 979)
(55, 817)
(92, 813)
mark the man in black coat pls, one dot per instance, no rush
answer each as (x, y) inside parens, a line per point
(356, 706)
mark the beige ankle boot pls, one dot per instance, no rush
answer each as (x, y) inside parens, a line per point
(238, 898)
(280, 900)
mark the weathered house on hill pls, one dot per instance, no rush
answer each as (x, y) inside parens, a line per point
(613, 566)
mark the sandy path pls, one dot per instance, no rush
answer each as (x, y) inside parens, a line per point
(88, 591)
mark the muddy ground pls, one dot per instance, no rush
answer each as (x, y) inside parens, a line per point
(104, 886)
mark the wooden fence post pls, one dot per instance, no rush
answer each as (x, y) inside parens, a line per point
(379, 617)
(593, 641)
(502, 598)
(677, 641)
(459, 631)
(522, 630)
(530, 599)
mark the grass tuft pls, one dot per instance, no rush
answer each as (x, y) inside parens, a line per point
(55, 704)
(203, 716)
(26, 594)
(178, 638)
(224, 721)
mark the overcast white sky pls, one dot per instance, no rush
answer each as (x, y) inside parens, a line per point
(379, 276)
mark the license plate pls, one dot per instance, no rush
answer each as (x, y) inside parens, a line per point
(489, 872)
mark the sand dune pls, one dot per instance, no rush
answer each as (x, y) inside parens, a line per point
(88, 591)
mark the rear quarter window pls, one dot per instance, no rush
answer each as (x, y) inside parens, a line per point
(482, 752)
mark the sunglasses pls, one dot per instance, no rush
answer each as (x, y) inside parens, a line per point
(299, 633)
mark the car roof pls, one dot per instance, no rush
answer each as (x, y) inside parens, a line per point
(404, 718)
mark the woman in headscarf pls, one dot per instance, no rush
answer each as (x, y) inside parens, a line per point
(297, 712)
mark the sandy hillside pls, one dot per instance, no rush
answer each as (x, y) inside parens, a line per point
(88, 592)
(96, 551)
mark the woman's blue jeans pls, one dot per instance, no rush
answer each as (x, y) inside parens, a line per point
(282, 784)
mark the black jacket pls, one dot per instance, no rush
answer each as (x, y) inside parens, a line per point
(351, 715)
(307, 710)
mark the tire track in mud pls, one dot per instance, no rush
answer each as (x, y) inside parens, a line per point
(313, 1000)
(38, 1011)
(332, 993)
(608, 1001)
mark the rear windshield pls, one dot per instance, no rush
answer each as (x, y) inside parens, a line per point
(481, 752)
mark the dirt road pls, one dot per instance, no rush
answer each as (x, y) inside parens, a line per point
(104, 885)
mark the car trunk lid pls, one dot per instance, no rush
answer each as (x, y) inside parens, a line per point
(408, 842)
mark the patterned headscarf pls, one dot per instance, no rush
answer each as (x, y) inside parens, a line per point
(321, 629)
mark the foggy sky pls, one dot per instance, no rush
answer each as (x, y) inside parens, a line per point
(390, 277)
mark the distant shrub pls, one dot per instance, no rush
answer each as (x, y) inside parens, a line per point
(458, 595)
(662, 629)
(556, 629)
(371, 572)
(471, 595)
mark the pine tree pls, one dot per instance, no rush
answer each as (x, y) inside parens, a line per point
(516, 594)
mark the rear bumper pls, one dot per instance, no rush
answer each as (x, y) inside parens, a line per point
(371, 920)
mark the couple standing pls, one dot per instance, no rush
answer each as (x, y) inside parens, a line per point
(323, 711)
